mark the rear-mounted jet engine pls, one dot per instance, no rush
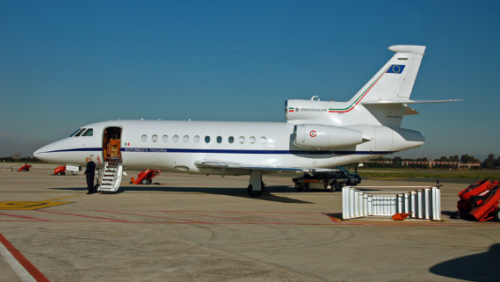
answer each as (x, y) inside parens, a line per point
(317, 137)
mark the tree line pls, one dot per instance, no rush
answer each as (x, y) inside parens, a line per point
(489, 163)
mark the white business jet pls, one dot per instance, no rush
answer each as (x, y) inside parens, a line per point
(317, 135)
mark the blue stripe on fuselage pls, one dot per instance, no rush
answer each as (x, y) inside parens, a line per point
(74, 150)
(226, 151)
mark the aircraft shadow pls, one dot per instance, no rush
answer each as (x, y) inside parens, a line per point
(479, 267)
(234, 192)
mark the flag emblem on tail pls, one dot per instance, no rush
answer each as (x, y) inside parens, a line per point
(396, 69)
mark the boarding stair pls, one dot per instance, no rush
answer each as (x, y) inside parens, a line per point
(111, 175)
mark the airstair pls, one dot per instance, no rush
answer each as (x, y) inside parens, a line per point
(112, 175)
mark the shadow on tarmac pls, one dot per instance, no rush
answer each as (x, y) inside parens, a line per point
(479, 267)
(234, 192)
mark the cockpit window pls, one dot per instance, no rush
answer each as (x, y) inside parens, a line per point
(80, 132)
(89, 132)
(74, 132)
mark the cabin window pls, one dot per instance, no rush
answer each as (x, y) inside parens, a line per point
(252, 139)
(144, 138)
(219, 139)
(185, 139)
(80, 132)
(207, 139)
(231, 139)
(175, 139)
(89, 132)
(165, 138)
(263, 140)
(74, 132)
(242, 139)
(196, 139)
(154, 138)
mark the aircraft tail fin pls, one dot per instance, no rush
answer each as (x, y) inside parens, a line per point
(395, 80)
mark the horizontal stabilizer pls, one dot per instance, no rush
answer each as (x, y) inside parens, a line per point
(386, 102)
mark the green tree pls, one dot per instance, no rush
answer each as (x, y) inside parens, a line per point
(465, 159)
(489, 162)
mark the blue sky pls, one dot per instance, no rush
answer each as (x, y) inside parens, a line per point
(64, 64)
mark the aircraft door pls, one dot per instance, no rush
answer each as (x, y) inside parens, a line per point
(111, 142)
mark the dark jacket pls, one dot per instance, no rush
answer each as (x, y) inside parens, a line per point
(90, 168)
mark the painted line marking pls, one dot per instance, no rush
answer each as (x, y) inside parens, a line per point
(374, 223)
(88, 216)
(334, 219)
(24, 269)
(25, 217)
(153, 216)
(236, 218)
(29, 205)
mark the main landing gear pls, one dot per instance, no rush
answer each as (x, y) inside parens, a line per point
(256, 186)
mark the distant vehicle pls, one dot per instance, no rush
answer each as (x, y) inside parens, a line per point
(25, 167)
(332, 180)
(60, 170)
(354, 178)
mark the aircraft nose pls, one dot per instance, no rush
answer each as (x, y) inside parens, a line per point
(38, 153)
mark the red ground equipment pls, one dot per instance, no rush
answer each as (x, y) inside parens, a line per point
(480, 201)
(25, 167)
(146, 176)
(60, 170)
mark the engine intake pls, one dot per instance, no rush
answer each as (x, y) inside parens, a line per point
(315, 136)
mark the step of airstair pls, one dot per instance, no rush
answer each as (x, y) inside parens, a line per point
(112, 175)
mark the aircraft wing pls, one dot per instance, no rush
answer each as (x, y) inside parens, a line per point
(385, 102)
(239, 166)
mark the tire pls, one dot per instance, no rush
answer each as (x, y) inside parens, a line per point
(496, 215)
(144, 181)
(58, 173)
(63, 173)
(333, 186)
(299, 187)
(150, 181)
(253, 193)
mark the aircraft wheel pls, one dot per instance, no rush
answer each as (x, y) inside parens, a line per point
(144, 181)
(253, 193)
(333, 186)
(298, 187)
(496, 215)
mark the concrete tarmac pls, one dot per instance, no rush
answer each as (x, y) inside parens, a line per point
(206, 228)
